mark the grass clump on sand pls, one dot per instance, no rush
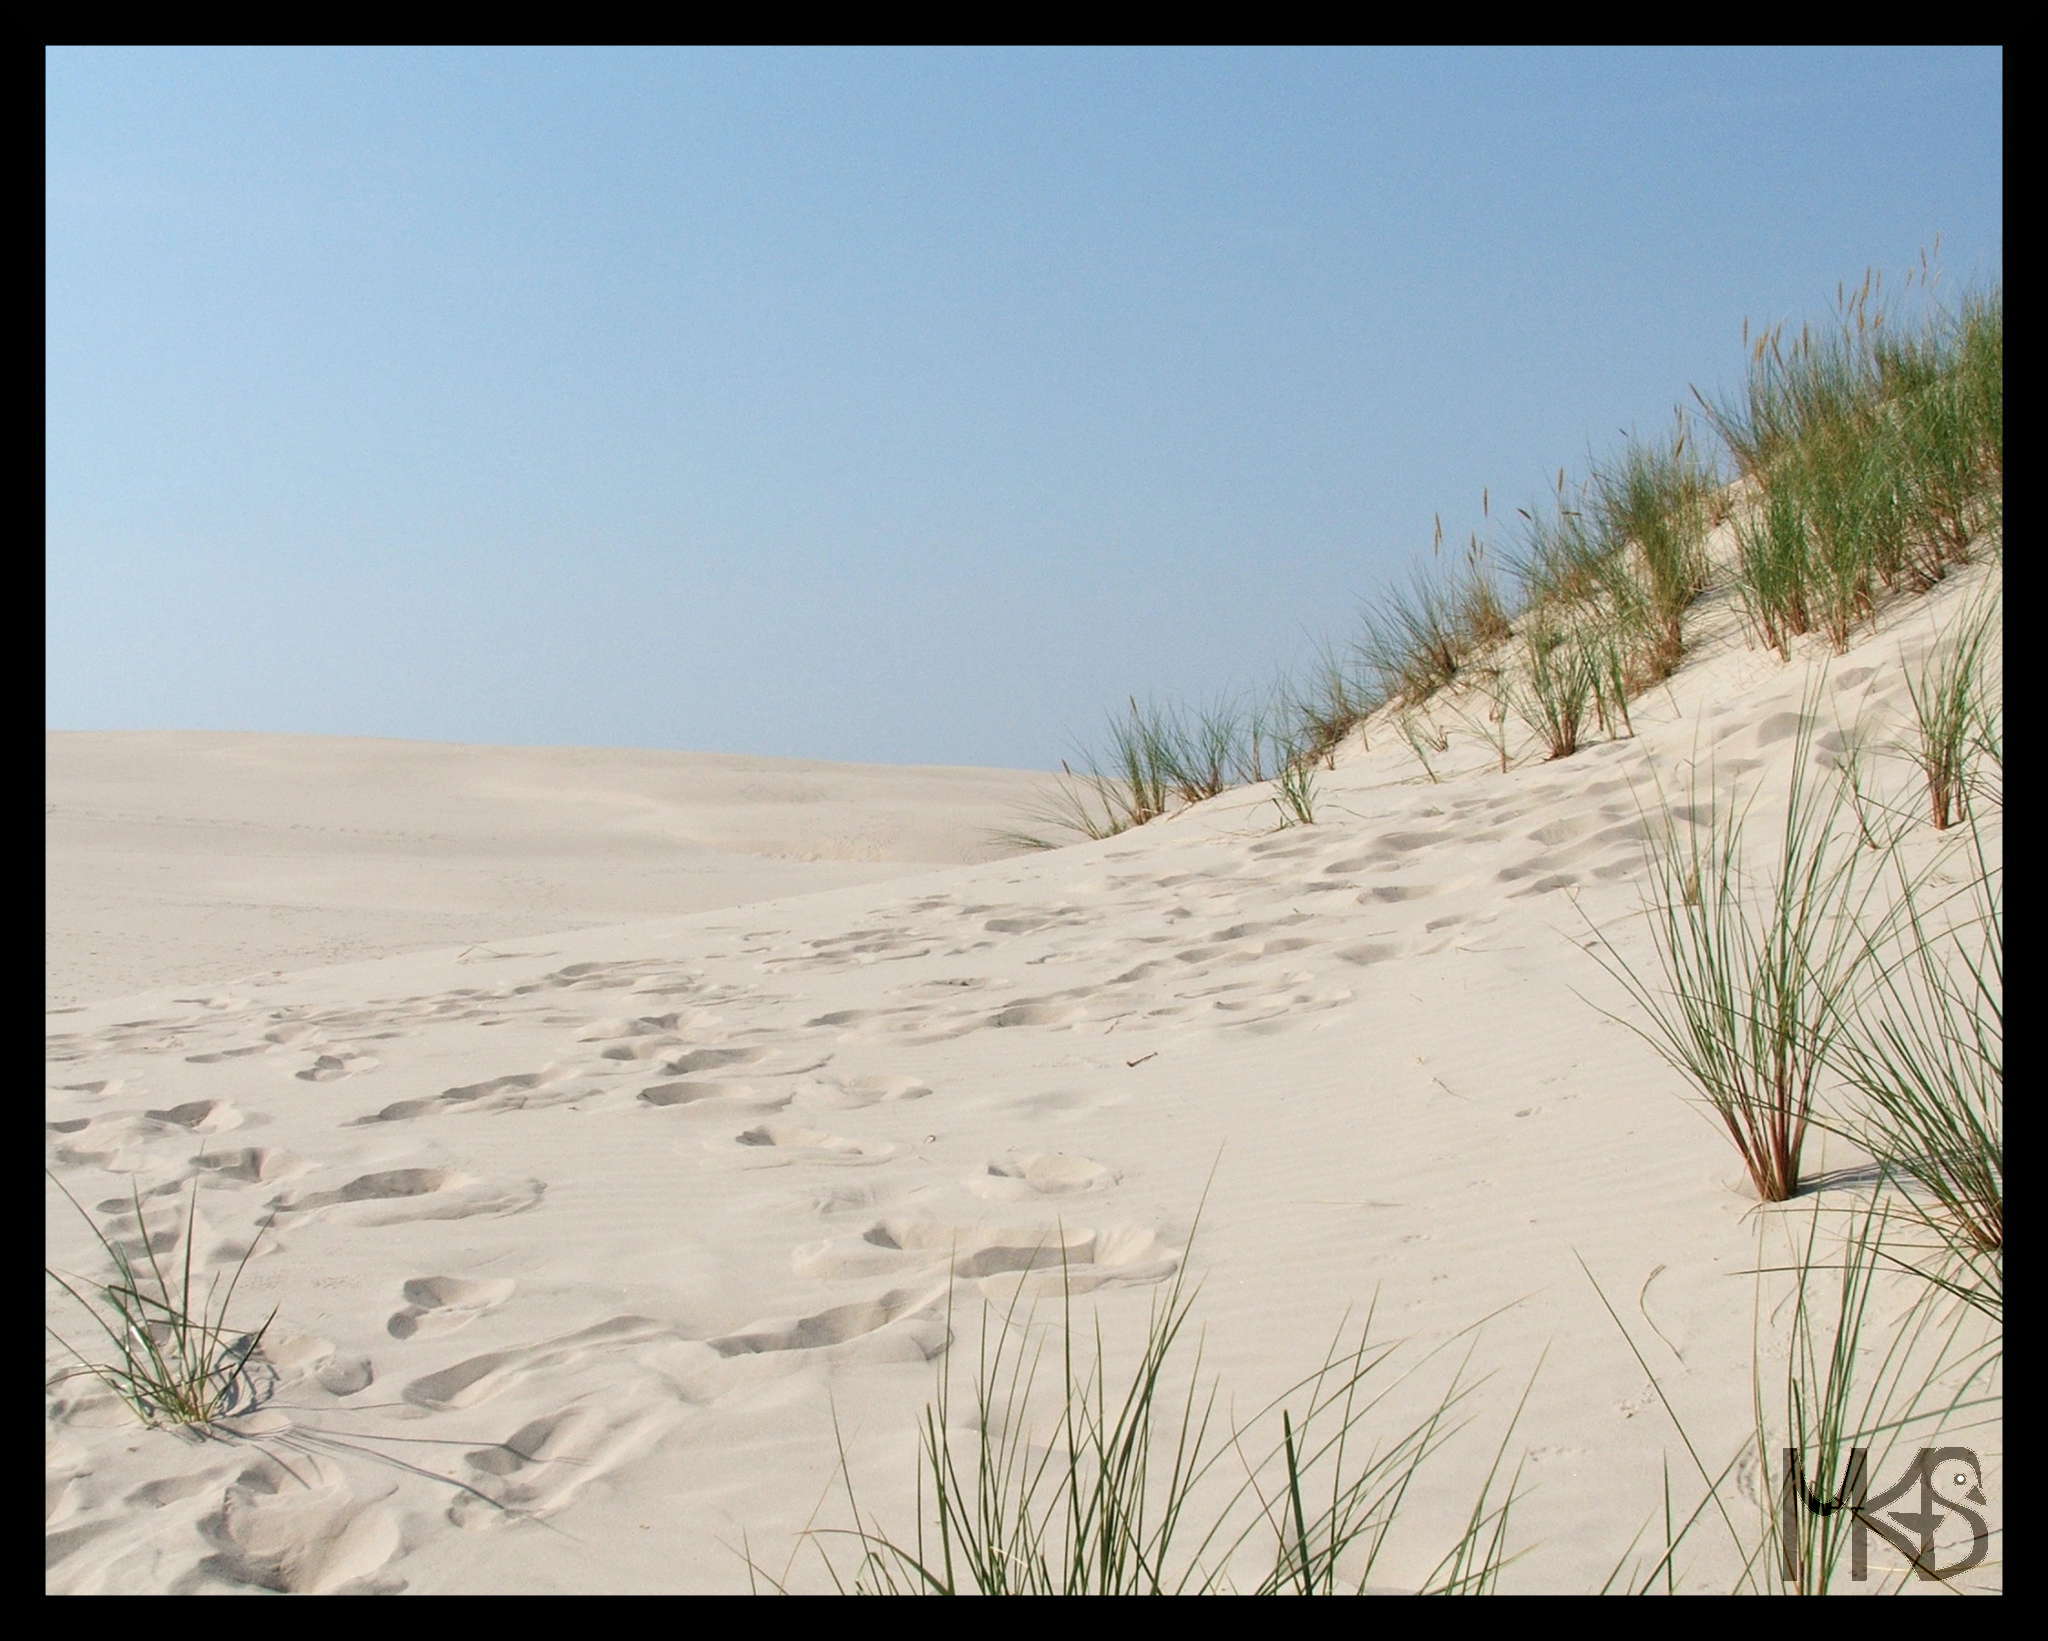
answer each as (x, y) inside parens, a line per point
(1654, 509)
(1294, 791)
(1560, 684)
(1119, 1492)
(1954, 717)
(1749, 996)
(1774, 570)
(1128, 786)
(1581, 574)
(171, 1361)
(1415, 639)
(1333, 703)
(1423, 737)
(1156, 759)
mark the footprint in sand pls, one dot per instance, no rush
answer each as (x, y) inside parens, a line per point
(295, 1031)
(1394, 893)
(199, 1116)
(1567, 828)
(867, 1022)
(113, 1143)
(546, 1461)
(1780, 726)
(1034, 1013)
(712, 1095)
(614, 1030)
(105, 1088)
(857, 948)
(1274, 1010)
(219, 1055)
(477, 1380)
(400, 1196)
(866, 1200)
(948, 985)
(1045, 1173)
(441, 1304)
(759, 1062)
(1080, 1258)
(520, 1091)
(904, 1325)
(853, 1093)
(778, 1145)
(342, 1063)
(644, 1037)
(1550, 884)
(137, 1238)
(669, 985)
(296, 1528)
(308, 1362)
(252, 1165)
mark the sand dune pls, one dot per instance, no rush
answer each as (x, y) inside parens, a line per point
(199, 857)
(584, 1237)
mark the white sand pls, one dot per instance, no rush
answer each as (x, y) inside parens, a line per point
(584, 1235)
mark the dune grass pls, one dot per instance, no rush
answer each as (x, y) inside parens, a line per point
(1080, 804)
(1423, 738)
(1872, 455)
(1155, 759)
(1150, 758)
(1564, 552)
(1613, 682)
(1876, 460)
(1294, 793)
(1490, 724)
(1208, 750)
(1653, 505)
(1923, 1057)
(1774, 572)
(1749, 995)
(1582, 571)
(1559, 685)
(1952, 695)
(1835, 499)
(1122, 1489)
(171, 1355)
(1877, 451)
(1333, 703)
(1946, 465)
(1879, 827)
(1484, 618)
(1824, 379)
(1414, 637)
(1839, 1410)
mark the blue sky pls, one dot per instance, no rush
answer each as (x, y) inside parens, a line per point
(906, 406)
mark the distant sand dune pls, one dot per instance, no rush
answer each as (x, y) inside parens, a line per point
(201, 857)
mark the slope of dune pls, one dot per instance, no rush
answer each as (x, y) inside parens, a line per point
(592, 1248)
